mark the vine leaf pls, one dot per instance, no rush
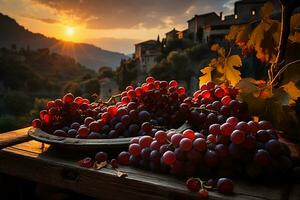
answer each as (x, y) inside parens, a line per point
(266, 10)
(264, 38)
(293, 92)
(99, 166)
(247, 85)
(295, 21)
(121, 174)
(295, 37)
(232, 75)
(206, 75)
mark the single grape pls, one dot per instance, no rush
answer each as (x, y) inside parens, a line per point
(86, 162)
(262, 157)
(226, 129)
(273, 147)
(114, 163)
(161, 137)
(186, 144)
(193, 184)
(155, 156)
(233, 121)
(225, 185)
(169, 157)
(147, 127)
(176, 138)
(243, 126)
(112, 110)
(145, 153)
(134, 149)
(123, 158)
(214, 129)
(199, 144)
(203, 193)
(68, 98)
(94, 126)
(145, 141)
(92, 135)
(101, 157)
(36, 123)
(238, 137)
(83, 132)
(163, 148)
(226, 100)
(189, 134)
(211, 158)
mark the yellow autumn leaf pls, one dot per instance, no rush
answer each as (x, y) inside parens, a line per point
(232, 75)
(295, 37)
(206, 75)
(291, 89)
(220, 69)
(266, 10)
(233, 32)
(221, 52)
(215, 47)
(295, 22)
(243, 33)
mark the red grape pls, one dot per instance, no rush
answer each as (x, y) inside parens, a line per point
(186, 144)
(134, 149)
(169, 157)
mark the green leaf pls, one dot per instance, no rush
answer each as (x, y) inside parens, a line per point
(246, 85)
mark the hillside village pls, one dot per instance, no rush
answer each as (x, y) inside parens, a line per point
(203, 28)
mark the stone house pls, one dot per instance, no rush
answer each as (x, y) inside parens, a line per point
(197, 23)
(146, 53)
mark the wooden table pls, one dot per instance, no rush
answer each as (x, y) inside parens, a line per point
(59, 168)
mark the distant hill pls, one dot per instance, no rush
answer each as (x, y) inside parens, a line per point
(89, 55)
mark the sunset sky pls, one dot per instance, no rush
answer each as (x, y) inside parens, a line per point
(110, 24)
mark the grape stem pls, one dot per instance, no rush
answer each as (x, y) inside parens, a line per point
(282, 70)
(204, 108)
(287, 8)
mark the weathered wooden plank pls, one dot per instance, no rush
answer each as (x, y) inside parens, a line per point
(13, 137)
(30, 161)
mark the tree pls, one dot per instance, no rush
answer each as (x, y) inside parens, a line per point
(105, 72)
(126, 73)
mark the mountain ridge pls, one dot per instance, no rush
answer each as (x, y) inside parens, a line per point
(89, 55)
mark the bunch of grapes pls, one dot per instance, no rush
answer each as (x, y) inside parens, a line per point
(140, 110)
(229, 148)
(60, 113)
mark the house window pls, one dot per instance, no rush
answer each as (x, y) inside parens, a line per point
(253, 12)
(235, 16)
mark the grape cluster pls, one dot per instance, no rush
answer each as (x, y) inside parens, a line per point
(232, 147)
(212, 104)
(139, 111)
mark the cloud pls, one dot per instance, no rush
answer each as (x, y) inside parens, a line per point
(45, 20)
(121, 14)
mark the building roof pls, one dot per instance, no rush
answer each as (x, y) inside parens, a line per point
(147, 42)
(202, 15)
(173, 30)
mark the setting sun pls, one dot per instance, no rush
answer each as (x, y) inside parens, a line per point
(70, 31)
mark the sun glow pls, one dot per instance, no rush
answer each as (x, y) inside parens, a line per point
(70, 31)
